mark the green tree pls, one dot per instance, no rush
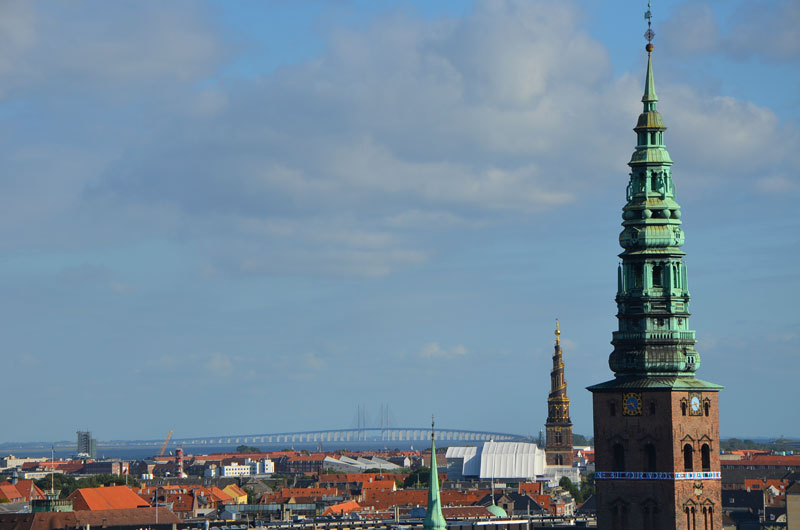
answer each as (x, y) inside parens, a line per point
(418, 478)
(580, 492)
(247, 449)
(579, 439)
(60, 482)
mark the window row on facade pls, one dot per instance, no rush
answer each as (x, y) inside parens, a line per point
(648, 461)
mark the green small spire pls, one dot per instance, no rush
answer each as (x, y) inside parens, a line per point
(434, 520)
(650, 98)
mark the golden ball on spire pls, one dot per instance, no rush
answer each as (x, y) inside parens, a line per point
(649, 47)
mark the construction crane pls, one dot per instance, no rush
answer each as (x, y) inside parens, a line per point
(164, 447)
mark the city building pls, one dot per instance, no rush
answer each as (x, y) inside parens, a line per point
(496, 460)
(87, 446)
(656, 426)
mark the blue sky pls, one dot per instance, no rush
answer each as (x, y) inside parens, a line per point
(242, 217)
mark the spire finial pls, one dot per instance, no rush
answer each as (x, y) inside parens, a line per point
(649, 99)
(558, 334)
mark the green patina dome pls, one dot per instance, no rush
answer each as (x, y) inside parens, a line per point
(497, 511)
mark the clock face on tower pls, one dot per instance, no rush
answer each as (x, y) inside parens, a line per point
(632, 404)
(695, 404)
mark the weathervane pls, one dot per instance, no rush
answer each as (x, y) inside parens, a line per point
(649, 34)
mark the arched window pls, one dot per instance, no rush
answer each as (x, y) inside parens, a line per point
(650, 512)
(705, 457)
(612, 408)
(559, 460)
(688, 456)
(683, 408)
(619, 457)
(650, 457)
(707, 407)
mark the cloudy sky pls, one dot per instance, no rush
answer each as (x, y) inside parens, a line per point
(244, 217)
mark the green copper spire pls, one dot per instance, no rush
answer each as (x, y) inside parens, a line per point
(654, 338)
(650, 98)
(434, 520)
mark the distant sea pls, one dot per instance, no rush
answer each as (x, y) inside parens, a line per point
(123, 452)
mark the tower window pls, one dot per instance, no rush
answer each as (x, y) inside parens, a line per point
(619, 457)
(688, 457)
(637, 275)
(683, 408)
(657, 276)
(650, 457)
(705, 457)
(612, 409)
(707, 407)
(652, 408)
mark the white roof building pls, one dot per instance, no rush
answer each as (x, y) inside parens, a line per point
(499, 460)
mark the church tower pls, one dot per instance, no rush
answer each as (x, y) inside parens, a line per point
(558, 443)
(656, 426)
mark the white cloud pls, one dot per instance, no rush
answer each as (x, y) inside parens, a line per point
(219, 365)
(433, 349)
(314, 363)
(345, 164)
(766, 29)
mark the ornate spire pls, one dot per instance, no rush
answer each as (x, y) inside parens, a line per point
(558, 402)
(434, 520)
(558, 445)
(652, 295)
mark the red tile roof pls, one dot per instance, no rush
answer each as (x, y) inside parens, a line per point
(342, 507)
(108, 498)
(317, 457)
(98, 518)
(385, 500)
(286, 493)
(10, 493)
(764, 461)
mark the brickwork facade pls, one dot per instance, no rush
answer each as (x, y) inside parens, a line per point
(661, 460)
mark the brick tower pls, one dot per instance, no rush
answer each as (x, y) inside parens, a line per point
(558, 443)
(656, 426)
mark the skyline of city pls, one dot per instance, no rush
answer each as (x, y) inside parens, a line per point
(220, 216)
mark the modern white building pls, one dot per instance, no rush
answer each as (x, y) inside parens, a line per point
(247, 468)
(235, 469)
(264, 466)
(496, 460)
